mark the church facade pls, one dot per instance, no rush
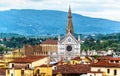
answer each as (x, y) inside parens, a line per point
(69, 46)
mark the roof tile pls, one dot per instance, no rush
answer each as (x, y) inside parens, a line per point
(50, 41)
(72, 69)
(28, 59)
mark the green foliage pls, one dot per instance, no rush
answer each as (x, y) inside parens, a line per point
(98, 42)
(2, 48)
(95, 56)
(106, 42)
(18, 42)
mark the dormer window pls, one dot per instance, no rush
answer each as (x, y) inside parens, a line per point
(117, 61)
(112, 61)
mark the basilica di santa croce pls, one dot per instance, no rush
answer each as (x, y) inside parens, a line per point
(64, 48)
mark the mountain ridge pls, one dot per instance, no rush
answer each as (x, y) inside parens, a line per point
(52, 22)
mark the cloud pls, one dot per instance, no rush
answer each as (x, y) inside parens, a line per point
(36, 0)
(109, 9)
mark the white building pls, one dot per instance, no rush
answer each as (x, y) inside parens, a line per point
(69, 46)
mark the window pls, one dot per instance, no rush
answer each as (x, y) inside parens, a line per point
(98, 70)
(38, 71)
(117, 61)
(112, 61)
(115, 72)
(73, 62)
(108, 70)
(11, 74)
(28, 66)
(8, 71)
(42, 74)
(55, 68)
(69, 48)
(12, 65)
(22, 71)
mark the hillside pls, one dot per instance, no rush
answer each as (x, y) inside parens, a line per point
(49, 22)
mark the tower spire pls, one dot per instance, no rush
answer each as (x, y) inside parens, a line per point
(69, 24)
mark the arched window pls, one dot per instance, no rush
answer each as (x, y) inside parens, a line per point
(38, 71)
(108, 70)
(115, 72)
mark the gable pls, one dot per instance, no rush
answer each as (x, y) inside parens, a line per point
(69, 39)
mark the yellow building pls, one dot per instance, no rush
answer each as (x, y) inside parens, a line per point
(19, 72)
(17, 53)
(2, 65)
(10, 56)
(43, 70)
(76, 60)
(25, 66)
(81, 60)
(106, 68)
(86, 59)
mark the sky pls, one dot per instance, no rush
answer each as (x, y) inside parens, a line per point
(108, 9)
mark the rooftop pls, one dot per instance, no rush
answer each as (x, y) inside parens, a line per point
(72, 69)
(76, 58)
(50, 41)
(28, 59)
(104, 64)
(108, 58)
(44, 65)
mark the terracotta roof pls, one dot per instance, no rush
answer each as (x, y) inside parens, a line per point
(95, 72)
(60, 62)
(104, 64)
(105, 57)
(108, 58)
(2, 72)
(50, 41)
(76, 58)
(117, 58)
(28, 59)
(20, 66)
(44, 65)
(72, 69)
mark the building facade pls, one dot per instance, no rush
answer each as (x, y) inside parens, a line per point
(69, 46)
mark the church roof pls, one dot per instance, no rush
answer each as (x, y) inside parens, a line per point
(50, 41)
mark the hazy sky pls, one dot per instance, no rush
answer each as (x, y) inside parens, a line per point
(109, 9)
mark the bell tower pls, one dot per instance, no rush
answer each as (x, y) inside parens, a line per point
(70, 24)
